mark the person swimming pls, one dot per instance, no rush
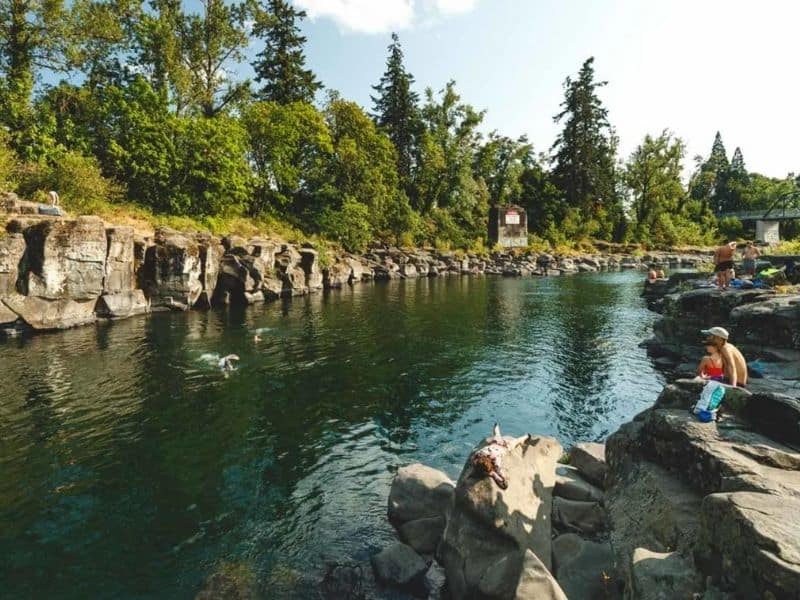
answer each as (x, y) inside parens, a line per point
(226, 363)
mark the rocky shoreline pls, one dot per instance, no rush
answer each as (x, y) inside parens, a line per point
(668, 507)
(60, 272)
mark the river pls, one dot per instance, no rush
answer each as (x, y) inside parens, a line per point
(130, 466)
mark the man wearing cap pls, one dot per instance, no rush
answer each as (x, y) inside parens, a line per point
(733, 363)
(723, 264)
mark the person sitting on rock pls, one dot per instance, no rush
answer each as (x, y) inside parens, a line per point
(487, 461)
(661, 274)
(733, 362)
(711, 365)
(652, 275)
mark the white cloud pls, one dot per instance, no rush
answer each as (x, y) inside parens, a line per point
(381, 16)
(364, 16)
(455, 7)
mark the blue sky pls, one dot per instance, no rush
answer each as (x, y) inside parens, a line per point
(693, 67)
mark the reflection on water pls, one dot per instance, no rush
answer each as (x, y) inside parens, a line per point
(129, 466)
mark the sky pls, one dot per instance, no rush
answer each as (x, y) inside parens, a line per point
(693, 67)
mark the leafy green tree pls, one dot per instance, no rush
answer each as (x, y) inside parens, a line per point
(289, 148)
(737, 184)
(709, 181)
(159, 51)
(349, 225)
(653, 176)
(584, 152)
(35, 35)
(396, 110)
(500, 162)
(213, 42)
(281, 66)
(542, 200)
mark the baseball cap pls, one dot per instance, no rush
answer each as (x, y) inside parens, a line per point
(720, 332)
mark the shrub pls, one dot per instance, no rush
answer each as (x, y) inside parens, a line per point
(350, 225)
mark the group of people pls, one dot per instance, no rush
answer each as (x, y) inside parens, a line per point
(724, 262)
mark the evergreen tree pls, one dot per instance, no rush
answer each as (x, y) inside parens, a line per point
(280, 66)
(737, 184)
(709, 182)
(583, 153)
(396, 110)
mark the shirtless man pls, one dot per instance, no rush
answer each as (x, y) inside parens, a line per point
(723, 264)
(749, 256)
(733, 363)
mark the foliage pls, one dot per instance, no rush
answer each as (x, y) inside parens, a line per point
(396, 108)
(583, 153)
(280, 66)
(348, 225)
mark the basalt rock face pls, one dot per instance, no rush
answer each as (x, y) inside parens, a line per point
(171, 271)
(701, 507)
(490, 531)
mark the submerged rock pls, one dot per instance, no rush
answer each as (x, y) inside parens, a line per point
(399, 565)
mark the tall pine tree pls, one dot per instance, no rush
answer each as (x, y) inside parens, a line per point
(281, 65)
(584, 152)
(709, 182)
(396, 110)
(737, 183)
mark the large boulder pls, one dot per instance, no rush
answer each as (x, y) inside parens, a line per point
(536, 582)
(399, 565)
(287, 264)
(750, 542)
(45, 313)
(773, 322)
(122, 304)
(589, 459)
(422, 535)
(419, 492)
(583, 568)
(309, 262)
(661, 576)
(490, 530)
(570, 485)
(172, 270)
(578, 515)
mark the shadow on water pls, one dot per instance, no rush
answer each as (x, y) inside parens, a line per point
(130, 466)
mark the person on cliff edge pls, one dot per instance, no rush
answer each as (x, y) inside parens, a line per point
(733, 362)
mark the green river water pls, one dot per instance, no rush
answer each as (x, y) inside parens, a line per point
(130, 467)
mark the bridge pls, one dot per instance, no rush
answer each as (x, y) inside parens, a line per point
(785, 208)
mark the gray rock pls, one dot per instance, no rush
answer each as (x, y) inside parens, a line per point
(589, 458)
(211, 251)
(752, 542)
(419, 492)
(12, 247)
(662, 576)
(489, 530)
(584, 569)
(119, 276)
(422, 535)
(309, 262)
(536, 582)
(570, 485)
(43, 313)
(575, 515)
(171, 270)
(122, 304)
(399, 565)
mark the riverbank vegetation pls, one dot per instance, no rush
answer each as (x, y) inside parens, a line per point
(138, 110)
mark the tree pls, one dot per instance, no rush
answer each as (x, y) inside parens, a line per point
(737, 184)
(280, 66)
(34, 35)
(212, 42)
(500, 162)
(653, 176)
(289, 148)
(709, 181)
(583, 153)
(396, 110)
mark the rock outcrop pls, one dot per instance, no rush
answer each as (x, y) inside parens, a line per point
(490, 531)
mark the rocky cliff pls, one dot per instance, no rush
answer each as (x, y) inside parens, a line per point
(59, 272)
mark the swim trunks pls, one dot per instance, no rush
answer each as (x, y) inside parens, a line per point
(723, 266)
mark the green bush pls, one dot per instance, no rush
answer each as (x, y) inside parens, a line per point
(9, 165)
(731, 228)
(349, 225)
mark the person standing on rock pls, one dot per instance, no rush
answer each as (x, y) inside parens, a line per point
(749, 256)
(733, 362)
(723, 264)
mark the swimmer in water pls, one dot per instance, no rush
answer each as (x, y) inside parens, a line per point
(256, 338)
(226, 363)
